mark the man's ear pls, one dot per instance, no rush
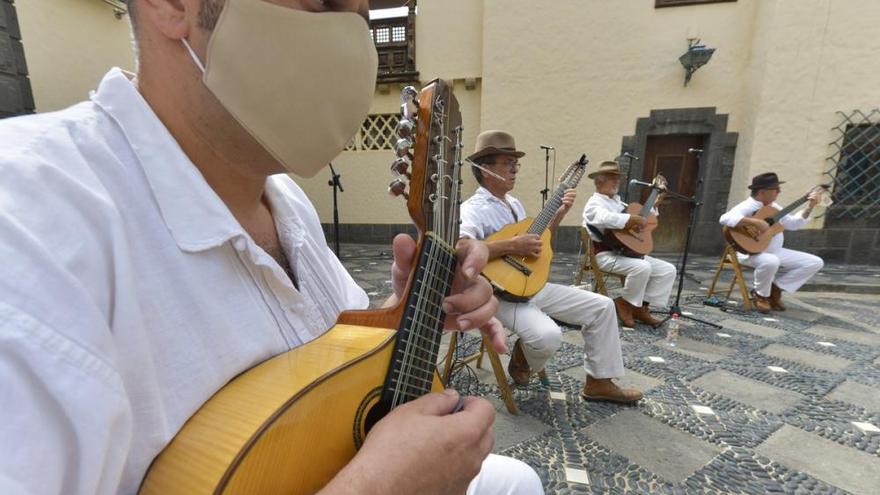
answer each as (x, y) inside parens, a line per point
(171, 18)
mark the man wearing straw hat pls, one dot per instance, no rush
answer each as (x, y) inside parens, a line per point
(648, 279)
(496, 164)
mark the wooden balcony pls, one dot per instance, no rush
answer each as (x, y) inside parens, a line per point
(395, 41)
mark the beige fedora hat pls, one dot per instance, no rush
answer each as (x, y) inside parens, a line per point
(606, 167)
(495, 143)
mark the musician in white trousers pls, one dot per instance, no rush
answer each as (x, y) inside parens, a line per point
(777, 269)
(488, 211)
(648, 280)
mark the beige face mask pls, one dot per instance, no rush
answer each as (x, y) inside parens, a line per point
(300, 82)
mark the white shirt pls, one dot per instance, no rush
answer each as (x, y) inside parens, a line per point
(129, 294)
(748, 208)
(604, 212)
(483, 214)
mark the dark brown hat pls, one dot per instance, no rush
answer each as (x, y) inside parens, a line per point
(767, 180)
(495, 143)
(606, 167)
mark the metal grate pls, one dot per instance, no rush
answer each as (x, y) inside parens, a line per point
(855, 169)
(376, 133)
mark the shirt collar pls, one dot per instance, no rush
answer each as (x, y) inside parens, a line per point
(485, 194)
(196, 217)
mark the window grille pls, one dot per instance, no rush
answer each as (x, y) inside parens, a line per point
(382, 35)
(855, 165)
(378, 132)
(398, 34)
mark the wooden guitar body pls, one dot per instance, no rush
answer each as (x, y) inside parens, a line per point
(639, 242)
(520, 276)
(747, 239)
(286, 426)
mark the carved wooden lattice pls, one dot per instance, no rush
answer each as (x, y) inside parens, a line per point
(376, 133)
(855, 165)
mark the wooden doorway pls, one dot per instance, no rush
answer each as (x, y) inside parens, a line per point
(668, 155)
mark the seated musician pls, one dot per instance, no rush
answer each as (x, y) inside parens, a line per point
(488, 211)
(154, 248)
(648, 279)
(796, 267)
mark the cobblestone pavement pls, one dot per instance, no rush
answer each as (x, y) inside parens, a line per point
(781, 403)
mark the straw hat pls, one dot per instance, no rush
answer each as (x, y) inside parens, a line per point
(606, 167)
(495, 143)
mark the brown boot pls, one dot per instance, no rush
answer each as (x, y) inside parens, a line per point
(518, 367)
(624, 312)
(606, 390)
(643, 314)
(761, 302)
(776, 298)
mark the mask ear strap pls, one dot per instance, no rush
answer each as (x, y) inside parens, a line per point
(193, 55)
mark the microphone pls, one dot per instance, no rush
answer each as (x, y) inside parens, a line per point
(545, 147)
(629, 155)
(695, 151)
(635, 182)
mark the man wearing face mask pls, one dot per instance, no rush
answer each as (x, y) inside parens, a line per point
(154, 249)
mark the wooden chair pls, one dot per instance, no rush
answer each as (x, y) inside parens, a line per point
(497, 368)
(728, 258)
(588, 264)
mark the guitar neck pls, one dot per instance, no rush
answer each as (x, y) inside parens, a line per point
(543, 219)
(649, 204)
(788, 209)
(414, 361)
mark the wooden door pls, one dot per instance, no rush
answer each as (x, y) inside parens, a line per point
(669, 156)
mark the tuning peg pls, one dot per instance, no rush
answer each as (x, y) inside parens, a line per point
(401, 166)
(409, 107)
(397, 187)
(405, 128)
(402, 147)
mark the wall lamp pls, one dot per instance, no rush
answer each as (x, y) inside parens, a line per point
(696, 56)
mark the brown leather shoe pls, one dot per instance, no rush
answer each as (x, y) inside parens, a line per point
(776, 298)
(761, 302)
(643, 314)
(606, 390)
(624, 311)
(518, 367)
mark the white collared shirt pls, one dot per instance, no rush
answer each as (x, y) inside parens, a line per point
(604, 212)
(749, 206)
(129, 293)
(483, 214)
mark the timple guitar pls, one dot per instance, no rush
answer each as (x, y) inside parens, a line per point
(638, 243)
(290, 424)
(748, 240)
(518, 278)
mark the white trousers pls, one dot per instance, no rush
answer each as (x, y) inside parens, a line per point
(541, 336)
(648, 280)
(797, 267)
(501, 475)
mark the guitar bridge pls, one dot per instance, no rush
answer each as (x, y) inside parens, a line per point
(518, 265)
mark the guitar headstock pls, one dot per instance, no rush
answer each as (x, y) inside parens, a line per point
(429, 149)
(660, 182)
(572, 175)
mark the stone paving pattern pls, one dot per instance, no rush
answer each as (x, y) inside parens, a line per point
(783, 403)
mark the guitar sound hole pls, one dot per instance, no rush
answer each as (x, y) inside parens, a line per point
(376, 413)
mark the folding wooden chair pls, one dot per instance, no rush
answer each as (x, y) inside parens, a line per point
(728, 258)
(497, 368)
(588, 264)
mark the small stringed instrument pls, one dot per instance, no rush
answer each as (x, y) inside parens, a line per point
(638, 242)
(290, 424)
(747, 239)
(517, 278)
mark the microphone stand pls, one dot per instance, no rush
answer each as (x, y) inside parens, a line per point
(335, 183)
(629, 171)
(546, 175)
(675, 308)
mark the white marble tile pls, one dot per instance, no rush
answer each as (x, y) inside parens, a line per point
(866, 427)
(557, 395)
(702, 409)
(579, 476)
